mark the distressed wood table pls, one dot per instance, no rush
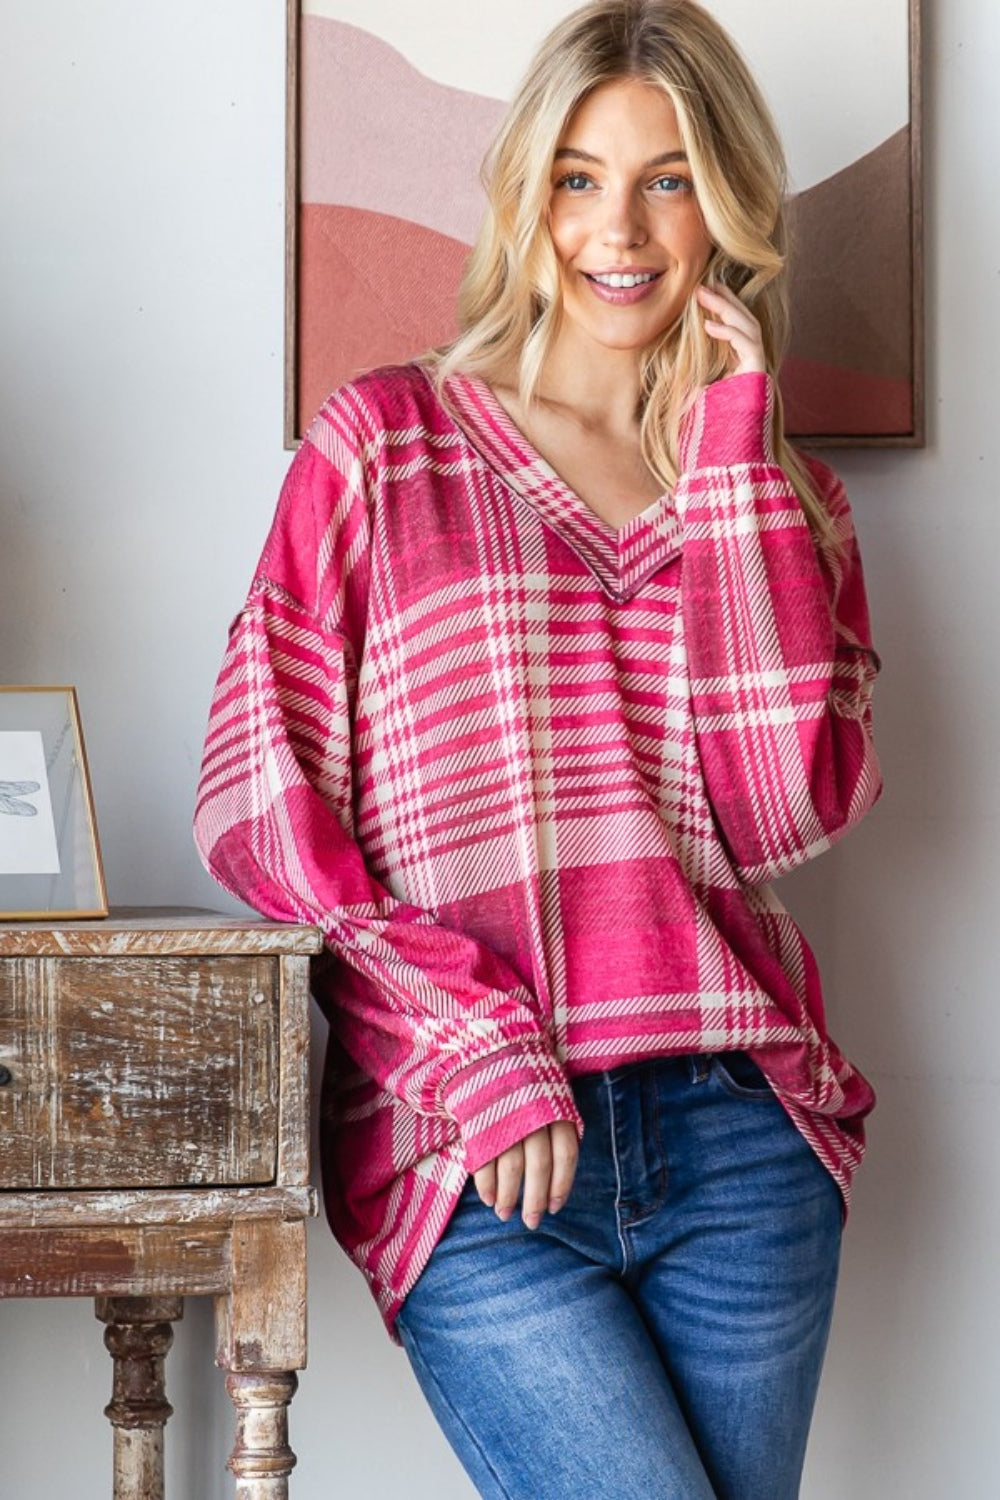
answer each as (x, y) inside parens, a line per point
(154, 1133)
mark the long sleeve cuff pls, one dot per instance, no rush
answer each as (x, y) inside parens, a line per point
(731, 423)
(503, 1097)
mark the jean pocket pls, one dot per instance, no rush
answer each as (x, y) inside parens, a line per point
(740, 1077)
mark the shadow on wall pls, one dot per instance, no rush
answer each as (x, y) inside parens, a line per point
(896, 913)
(26, 587)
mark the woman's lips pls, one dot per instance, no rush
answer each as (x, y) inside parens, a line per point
(622, 296)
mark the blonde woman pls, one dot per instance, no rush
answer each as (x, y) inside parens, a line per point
(556, 656)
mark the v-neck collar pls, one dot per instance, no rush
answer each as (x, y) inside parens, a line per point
(620, 558)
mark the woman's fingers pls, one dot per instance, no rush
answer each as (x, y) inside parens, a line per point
(537, 1176)
(510, 1171)
(539, 1170)
(731, 322)
(728, 311)
(565, 1154)
(486, 1183)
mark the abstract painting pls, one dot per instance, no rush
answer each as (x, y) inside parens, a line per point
(391, 107)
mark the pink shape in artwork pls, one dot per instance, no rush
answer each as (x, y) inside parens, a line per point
(380, 135)
(821, 400)
(373, 290)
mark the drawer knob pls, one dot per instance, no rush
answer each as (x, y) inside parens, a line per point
(6, 1076)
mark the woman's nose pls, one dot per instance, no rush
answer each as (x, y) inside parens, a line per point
(623, 222)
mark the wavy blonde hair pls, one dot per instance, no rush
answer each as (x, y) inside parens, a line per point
(509, 303)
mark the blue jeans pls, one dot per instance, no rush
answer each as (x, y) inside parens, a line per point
(660, 1338)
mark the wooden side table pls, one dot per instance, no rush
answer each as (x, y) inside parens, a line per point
(154, 1135)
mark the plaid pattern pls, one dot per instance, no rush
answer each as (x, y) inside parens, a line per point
(531, 776)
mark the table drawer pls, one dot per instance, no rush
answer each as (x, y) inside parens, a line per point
(162, 1073)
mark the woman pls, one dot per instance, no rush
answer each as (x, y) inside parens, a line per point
(557, 654)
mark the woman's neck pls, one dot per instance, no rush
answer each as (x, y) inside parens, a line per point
(598, 387)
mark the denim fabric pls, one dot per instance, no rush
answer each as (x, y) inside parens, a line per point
(662, 1336)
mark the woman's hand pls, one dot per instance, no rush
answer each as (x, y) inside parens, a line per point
(545, 1162)
(732, 323)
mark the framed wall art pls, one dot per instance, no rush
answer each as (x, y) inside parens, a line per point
(50, 859)
(391, 108)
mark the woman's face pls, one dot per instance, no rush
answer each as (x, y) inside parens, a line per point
(623, 217)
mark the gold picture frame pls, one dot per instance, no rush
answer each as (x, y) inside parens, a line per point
(50, 856)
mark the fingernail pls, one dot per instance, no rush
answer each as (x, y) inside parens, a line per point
(532, 1221)
(555, 1204)
(503, 1214)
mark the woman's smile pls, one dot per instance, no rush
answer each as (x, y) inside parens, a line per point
(622, 288)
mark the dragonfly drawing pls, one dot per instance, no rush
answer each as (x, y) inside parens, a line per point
(11, 798)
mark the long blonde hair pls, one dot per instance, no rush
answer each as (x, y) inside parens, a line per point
(509, 303)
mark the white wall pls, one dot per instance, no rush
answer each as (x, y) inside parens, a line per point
(140, 453)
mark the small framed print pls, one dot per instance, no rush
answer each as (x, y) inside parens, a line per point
(50, 858)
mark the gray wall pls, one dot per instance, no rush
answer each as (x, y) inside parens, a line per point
(140, 455)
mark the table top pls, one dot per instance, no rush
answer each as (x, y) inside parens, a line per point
(155, 930)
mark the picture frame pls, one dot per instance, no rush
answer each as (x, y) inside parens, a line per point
(382, 202)
(50, 857)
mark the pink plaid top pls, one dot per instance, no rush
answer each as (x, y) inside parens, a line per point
(531, 776)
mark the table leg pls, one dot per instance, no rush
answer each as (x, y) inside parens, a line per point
(261, 1328)
(138, 1336)
(262, 1459)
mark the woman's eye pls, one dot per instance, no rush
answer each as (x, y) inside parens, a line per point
(672, 185)
(575, 181)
